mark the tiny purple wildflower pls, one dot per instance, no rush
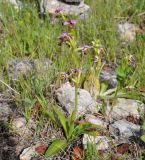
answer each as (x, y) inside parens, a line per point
(64, 37)
(71, 23)
(63, 76)
(76, 71)
(59, 10)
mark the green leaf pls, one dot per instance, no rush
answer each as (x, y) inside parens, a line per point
(56, 146)
(143, 138)
(82, 128)
(50, 115)
(44, 104)
(61, 118)
(70, 127)
(143, 126)
(103, 88)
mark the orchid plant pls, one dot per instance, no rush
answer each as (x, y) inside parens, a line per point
(71, 130)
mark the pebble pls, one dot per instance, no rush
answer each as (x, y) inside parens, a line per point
(101, 142)
(123, 129)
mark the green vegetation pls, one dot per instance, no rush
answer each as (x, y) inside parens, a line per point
(25, 35)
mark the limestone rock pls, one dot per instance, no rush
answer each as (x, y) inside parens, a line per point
(109, 77)
(95, 120)
(20, 126)
(123, 108)
(19, 67)
(50, 6)
(123, 129)
(28, 153)
(102, 142)
(127, 31)
(25, 67)
(32, 152)
(66, 96)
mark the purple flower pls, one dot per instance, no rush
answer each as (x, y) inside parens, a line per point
(63, 76)
(64, 37)
(59, 10)
(85, 48)
(76, 71)
(71, 23)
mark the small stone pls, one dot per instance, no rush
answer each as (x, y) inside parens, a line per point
(109, 77)
(28, 153)
(20, 126)
(66, 96)
(95, 120)
(127, 31)
(19, 122)
(102, 142)
(123, 108)
(123, 129)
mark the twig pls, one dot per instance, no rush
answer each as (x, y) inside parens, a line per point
(141, 14)
(9, 87)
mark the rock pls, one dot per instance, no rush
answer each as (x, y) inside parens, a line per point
(123, 108)
(19, 67)
(25, 67)
(24, 132)
(66, 96)
(17, 4)
(5, 109)
(100, 141)
(19, 123)
(127, 31)
(108, 77)
(32, 152)
(50, 6)
(95, 120)
(123, 129)
(28, 153)
(20, 126)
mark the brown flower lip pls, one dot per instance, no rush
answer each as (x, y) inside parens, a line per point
(59, 10)
(64, 37)
(76, 71)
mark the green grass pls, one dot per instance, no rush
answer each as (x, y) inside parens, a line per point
(27, 36)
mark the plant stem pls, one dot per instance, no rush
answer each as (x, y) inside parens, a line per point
(76, 98)
(74, 113)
